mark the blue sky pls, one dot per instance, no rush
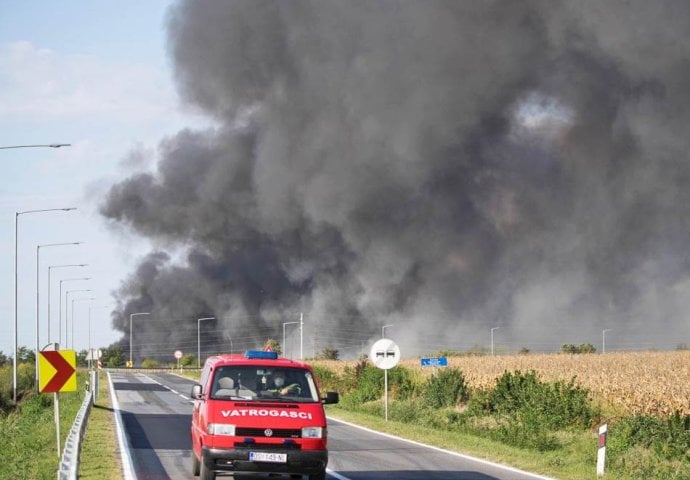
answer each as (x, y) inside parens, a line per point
(95, 75)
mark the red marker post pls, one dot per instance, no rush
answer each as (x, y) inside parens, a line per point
(601, 453)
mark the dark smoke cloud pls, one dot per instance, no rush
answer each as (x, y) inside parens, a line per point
(445, 167)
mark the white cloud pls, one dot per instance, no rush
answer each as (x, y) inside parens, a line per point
(40, 82)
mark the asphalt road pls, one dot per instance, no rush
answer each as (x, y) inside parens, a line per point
(155, 418)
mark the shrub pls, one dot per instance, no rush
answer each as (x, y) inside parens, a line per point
(527, 428)
(150, 363)
(582, 348)
(560, 404)
(668, 438)
(401, 385)
(367, 385)
(25, 379)
(188, 360)
(446, 388)
(327, 379)
(405, 411)
(328, 353)
(352, 374)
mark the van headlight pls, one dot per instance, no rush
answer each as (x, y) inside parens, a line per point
(221, 429)
(313, 432)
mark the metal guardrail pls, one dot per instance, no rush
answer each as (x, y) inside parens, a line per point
(69, 462)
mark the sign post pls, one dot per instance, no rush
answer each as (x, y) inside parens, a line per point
(178, 355)
(385, 354)
(57, 373)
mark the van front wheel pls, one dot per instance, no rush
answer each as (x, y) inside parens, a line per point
(206, 473)
(318, 476)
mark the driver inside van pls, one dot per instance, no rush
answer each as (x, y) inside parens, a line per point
(281, 387)
(224, 386)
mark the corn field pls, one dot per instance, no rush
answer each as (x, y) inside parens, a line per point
(653, 383)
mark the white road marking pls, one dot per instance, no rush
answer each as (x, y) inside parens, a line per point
(336, 475)
(127, 467)
(171, 389)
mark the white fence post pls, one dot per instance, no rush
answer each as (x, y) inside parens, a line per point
(601, 453)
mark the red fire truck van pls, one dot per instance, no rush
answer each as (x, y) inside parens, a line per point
(259, 413)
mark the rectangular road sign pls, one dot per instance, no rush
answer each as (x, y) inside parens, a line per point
(434, 362)
(56, 371)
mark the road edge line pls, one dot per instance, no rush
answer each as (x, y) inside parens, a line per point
(336, 475)
(127, 465)
(439, 449)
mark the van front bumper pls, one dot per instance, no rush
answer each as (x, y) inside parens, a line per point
(237, 460)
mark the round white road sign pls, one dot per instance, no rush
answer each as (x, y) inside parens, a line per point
(178, 354)
(385, 353)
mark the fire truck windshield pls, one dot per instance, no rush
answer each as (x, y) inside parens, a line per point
(262, 383)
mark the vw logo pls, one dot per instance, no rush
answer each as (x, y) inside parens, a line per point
(268, 432)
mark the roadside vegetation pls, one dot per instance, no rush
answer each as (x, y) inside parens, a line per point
(27, 429)
(546, 426)
(100, 452)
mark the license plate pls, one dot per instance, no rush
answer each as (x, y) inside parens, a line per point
(268, 457)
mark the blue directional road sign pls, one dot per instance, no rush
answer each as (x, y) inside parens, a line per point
(434, 362)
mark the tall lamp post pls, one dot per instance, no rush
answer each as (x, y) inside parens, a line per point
(16, 217)
(16, 234)
(492, 340)
(198, 339)
(67, 342)
(49, 270)
(38, 262)
(131, 316)
(603, 339)
(286, 323)
(60, 307)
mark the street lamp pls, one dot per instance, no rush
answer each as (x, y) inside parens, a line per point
(16, 234)
(50, 145)
(198, 339)
(301, 336)
(38, 262)
(60, 308)
(132, 315)
(492, 340)
(67, 343)
(383, 330)
(286, 323)
(77, 300)
(49, 269)
(603, 339)
(16, 218)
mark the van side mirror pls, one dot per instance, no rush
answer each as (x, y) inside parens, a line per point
(331, 398)
(196, 392)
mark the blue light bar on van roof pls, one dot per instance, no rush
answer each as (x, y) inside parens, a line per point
(260, 354)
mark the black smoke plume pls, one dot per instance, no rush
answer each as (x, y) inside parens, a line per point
(444, 167)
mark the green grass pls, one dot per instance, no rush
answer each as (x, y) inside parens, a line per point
(29, 445)
(99, 459)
